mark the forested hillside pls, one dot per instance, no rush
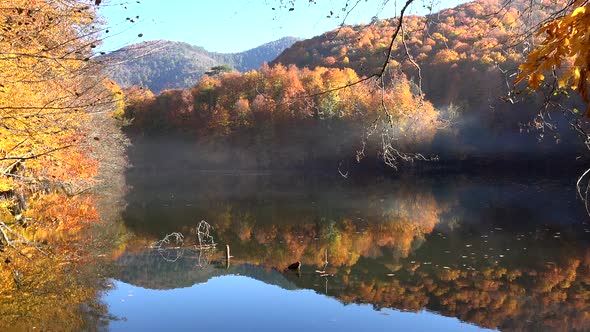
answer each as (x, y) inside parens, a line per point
(282, 117)
(160, 65)
(462, 60)
(465, 60)
(466, 54)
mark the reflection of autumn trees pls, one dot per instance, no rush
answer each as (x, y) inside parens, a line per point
(48, 295)
(544, 295)
(276, 233)
(398, 225)
(59, 289)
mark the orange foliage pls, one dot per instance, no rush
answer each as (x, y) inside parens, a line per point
(67, 215)
(476, 34)
(279, 96)
(445, 56)
(49, 86)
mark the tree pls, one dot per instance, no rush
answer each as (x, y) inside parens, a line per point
(218, 70)
(50, 83)
(564, 51)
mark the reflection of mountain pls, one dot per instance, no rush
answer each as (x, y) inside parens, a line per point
(149, 270)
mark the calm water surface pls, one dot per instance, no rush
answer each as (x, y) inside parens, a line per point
(419, 253)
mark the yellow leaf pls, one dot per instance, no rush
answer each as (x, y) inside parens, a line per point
(6, 184)
(535, 79)
(579, 10)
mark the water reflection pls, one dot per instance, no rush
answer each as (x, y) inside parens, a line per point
(497, 253)
(59, 289)
(237, 303)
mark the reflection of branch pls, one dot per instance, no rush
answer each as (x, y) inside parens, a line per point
(343, 174)
(162, 246)
(322, 273)
(178, 239)
(171, 255)
(204, 258)
(12, 238)
(584, 196)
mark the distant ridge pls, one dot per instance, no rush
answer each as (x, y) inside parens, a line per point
(162, 64)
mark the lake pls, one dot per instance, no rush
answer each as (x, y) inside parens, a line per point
(416, 253)
(427, 250)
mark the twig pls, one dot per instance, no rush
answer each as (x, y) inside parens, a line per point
(12, 238)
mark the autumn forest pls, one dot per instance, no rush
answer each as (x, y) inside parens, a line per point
(407, 170)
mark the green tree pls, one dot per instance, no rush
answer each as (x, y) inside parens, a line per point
(218, 70)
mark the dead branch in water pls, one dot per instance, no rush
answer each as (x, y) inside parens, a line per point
(204, 235)
(172, 246)
(176, 238)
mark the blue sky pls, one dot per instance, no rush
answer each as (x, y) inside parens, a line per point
(237, 25)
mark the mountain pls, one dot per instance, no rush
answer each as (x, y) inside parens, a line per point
(161, 65)
(253, 58)
(466, 54)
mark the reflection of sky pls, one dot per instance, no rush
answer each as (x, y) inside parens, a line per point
(233, 303)
(238, 25)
